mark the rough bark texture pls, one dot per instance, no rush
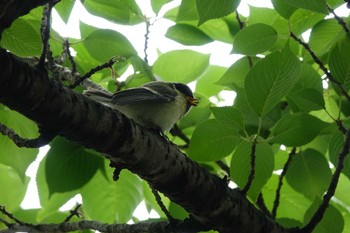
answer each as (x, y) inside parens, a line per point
(58, 110)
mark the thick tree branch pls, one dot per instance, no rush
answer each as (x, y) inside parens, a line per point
(59, 110)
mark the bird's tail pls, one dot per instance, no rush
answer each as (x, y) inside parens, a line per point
(99, 96)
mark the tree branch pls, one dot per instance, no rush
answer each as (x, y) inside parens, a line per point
(60, 110)
(318, 215)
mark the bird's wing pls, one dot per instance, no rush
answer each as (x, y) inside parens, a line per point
(143, 95)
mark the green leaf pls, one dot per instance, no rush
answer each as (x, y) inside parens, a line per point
(312, 5)
(64, 9)
(283, 8)
(332, 221)
(206, 84)
(181, 65)
(69, 166)
(187, 11)
(221, 29)
(336, 145)
(211, 141)
(240, 166)
(103, 44)
(324, 36)
(235, 75)
(255, 39)
(212, 9)
(229, 117)
(158, 4)
(13, 188)
(307, 99)
(309, 173)
(270, 80)
(108, 201)
(22, 39)
(339, 62)
(302, 20)
(17, 158)
(270, 17)
(118, 11)
(292, 204)
(187, 34)
(49, 203)
(297, 129)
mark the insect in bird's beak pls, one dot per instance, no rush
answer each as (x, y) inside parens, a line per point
(192, 101)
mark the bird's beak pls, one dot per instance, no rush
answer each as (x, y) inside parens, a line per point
(192, 101)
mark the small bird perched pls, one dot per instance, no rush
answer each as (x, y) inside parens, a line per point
(157, 105)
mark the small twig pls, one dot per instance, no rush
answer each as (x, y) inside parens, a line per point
(321, 65)
(318, 215)
(69, 55)
(224, 167)
(280, 183)
(176, 131)
(10, 216)
(73, 212)
(339, 19)
(42, 140)
(252, 167)
(262, 206)
(45, 32)
(161, 205)
(148, 24)
(96, 69)
(340, 126)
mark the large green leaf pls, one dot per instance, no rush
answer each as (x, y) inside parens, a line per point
(49, 203)
(229, 117)
(118, 11)
(270, 80)
(309, 173)
(13, 188)
(158, 4)
(22, 39)
(17, 158)
(332, 221)
(235, 75)
(221, 29)
(339, 62)
(240, 166)
(69, 166)
(324, 36)
(206, 84)
(103, 44)
(212, 141)
(312, 5)
(283, 8)
(307, 99)
(254, 39)
(301, 20)
(297, 129)
(181, 65)
(212, 9)
(336, 145)
(64, 9)
(292, 203)
(187, 34)
(109, 201)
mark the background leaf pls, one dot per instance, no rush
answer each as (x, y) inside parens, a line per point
(180, 65)
(187, 34)
(254, 39)
(309, 173)
(297, 129)
(69, 166)
(212, 9)
(313, 5)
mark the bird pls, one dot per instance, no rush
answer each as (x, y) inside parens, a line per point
(156, 105)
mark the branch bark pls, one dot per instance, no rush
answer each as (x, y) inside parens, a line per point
(60, 111)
